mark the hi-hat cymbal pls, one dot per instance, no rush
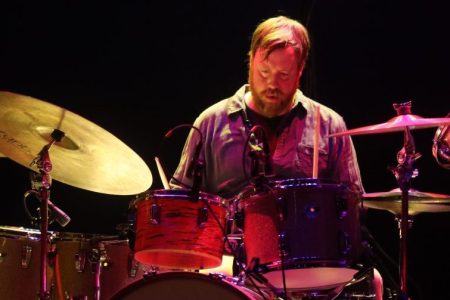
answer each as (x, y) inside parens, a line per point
(88, 157)
(398, 123)
(418, 202)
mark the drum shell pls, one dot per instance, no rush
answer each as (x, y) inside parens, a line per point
(17, 281)
(314, 223)
(176, 240)
(75, 268)
(320, 221)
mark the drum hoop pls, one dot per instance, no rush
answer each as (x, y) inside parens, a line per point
(297, 263)
(176, 275)
(80, 236)
(306, 183)
(180, 194)
(22, 233)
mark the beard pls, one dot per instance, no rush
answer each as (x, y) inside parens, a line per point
(271, 102)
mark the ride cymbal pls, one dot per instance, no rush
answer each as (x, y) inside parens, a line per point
(398, 123)
(88, 157)
(418, 202)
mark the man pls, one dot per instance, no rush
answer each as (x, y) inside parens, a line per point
(269, 116)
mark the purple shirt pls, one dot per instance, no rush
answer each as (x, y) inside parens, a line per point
(225, 137)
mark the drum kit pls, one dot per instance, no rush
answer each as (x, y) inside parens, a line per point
(296, 239)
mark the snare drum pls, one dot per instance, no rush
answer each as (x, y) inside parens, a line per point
(20, 250)
(93, 266)
(176, 230)
(315, 224)
(186, 286)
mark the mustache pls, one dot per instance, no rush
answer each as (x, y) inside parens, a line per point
(272, 92)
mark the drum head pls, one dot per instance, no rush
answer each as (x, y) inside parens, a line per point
(307, 279)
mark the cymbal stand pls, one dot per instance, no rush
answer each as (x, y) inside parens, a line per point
(42, 182)
(403, 174)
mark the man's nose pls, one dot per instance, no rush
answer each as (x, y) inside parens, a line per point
(272, 81)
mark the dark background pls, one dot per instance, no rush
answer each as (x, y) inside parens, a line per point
(138, 68)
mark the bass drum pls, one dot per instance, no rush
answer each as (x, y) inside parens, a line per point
(20, 250)
(186, 286)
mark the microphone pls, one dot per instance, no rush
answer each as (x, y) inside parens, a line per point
(268, 165)
(194, 161)
(61, 217)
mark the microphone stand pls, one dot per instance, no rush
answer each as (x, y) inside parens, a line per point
(43, 181)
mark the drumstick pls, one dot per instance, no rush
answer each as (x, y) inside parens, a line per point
(162, 174)
(316, 142)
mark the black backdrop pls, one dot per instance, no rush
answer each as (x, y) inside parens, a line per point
(138, 68)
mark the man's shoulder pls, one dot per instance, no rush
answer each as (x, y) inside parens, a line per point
(224, 107)
(326, 112)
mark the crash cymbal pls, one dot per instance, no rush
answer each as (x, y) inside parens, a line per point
(88, 157)
(398, 123)
(418, 202)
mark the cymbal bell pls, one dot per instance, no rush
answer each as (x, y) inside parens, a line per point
(88, 157)
(418, 202)
(398, 123)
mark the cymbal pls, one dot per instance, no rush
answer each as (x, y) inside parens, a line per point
(398, 123)
(418, 202)
(88, 157)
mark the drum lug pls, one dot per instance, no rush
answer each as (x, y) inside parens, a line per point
(133, 266)
(26, 256)
(282, 208)
(341, 207)
(80, 260)
(345, 244)
(155, 214)
(282, 241)
(2, 256)
(202, 217)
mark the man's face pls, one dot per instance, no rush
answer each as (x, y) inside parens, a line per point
(273, 81)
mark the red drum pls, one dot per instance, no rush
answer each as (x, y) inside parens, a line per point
(84, 261)
(20, 251)
(314, 223)
(186, 286)
(176, 230)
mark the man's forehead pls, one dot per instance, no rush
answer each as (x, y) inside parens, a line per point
(263, 54)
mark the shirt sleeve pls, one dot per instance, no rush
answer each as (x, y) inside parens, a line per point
(181, 179)
(344, 160)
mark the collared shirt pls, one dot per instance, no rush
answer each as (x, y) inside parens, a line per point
(225, 155)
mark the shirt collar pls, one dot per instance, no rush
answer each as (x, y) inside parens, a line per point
(236, 102)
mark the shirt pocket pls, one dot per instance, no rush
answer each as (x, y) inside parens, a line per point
(304, 161)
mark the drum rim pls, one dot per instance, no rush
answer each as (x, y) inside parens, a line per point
(179, 194)
(306, 182)
(176, 275)
(350, 272)
(22, 233)
(84, 236)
